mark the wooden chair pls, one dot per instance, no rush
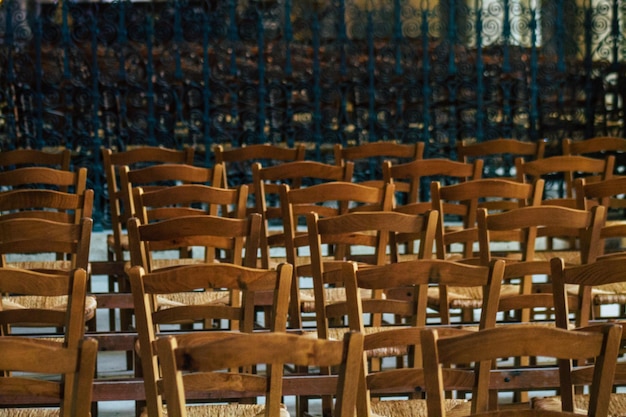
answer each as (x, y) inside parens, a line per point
(239, 161)
(369, 157)
(559, 173)
(53, 205)
(599, 343)
(23, 245)
(499, 155)
(585, 282)
(166, 176)
(412, 180)
(112, 161)
(608, 193)
(30, 363)
(46, 178)
(23, 236)
(375, 231)
(43, 300)
(459, 202)
(202, 356)
(267, 182)
(327, 200)
(52, 158)
(424, 276)
(239, 237)
(598, 147)
(202, 284)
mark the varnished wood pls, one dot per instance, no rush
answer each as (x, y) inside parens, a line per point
(327, 200)
(376, 230)
(76, 365)
(52, 158)
(409, 179)
(272, 349)
(267, 182)
(225, 277)
(598, 342)
(378, 153)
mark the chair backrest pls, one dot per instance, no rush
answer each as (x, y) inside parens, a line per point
(369, 157)
(462, 200)
(610, 194)
(46, 178)
(412, 179)
(16, 158)
(267, 182)
(25, 236)
(189, 200)
(599, 343)
(238, 237)
(579, 280)
(205, 292)
(525, 224)
(359, 232)
(274, 350)
(499, 154)
(40, 358)
(46, 292)
(597, 147)
(164, 176)
(528, 260)
(416, 279)
(47, 204)
(559, 173)
(113, 160)
(240, 160)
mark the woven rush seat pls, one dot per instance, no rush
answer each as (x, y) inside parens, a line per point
(571, 257)
(617, 405)
(223, 410)
(467, 297)
(614, 293)
(58, 303)
(43, 266)
(333, 295)
(417, 408)
(192, 298)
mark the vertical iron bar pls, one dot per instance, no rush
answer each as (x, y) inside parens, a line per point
(11, 96)
(534, 88)
(149, 79)
(206, 88)
(96, 132)
(480, 70)
(288, 82)
(587, 65)
(39, 140)
(262, 90)
(426, 88)
(371, 72)
(317, 90)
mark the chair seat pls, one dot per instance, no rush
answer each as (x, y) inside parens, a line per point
(617, 405)
(42, 266)
(123, 242)
(333, 295)
(467, 297)
(337, 333)
(30, 412)
(193, 298)
(222, 410)
(49, 303)
(417, 408)
(571, 257)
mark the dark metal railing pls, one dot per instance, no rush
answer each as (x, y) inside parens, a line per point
(90, 74)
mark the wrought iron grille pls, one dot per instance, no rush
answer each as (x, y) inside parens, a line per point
(88, 74)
